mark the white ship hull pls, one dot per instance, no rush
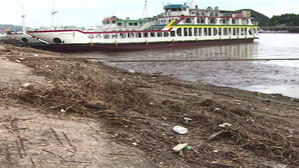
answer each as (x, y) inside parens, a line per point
(173, 32)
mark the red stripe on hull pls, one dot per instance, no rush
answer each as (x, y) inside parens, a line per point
(93, 32)
(138, 46)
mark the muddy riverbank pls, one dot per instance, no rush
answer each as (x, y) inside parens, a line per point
(135, 113)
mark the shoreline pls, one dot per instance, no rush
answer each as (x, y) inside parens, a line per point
(139, 110)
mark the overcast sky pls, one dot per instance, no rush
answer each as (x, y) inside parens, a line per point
(91, 12)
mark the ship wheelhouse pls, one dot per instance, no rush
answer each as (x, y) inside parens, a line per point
(176, 10)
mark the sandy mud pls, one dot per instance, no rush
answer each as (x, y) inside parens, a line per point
(90, 114)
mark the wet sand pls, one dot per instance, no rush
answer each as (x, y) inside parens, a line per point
(33, 137)
(135, 113)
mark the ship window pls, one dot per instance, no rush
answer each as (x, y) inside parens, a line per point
(106, 36)
(172, 33)
(139, 35)
(242, 31)
(195, 31)
(153, 34)
(131, 35)
(179, 32)
(184, 9)
(145, 34)
(200, 31)
(234, 31)
(98, 36)
(225, 32)
(179, 9)
(212, 21)
(130, 24)
(185, 31)
(174, 9)
(234, 21)
(166, 34)
(245, 31)
(215, 31)
(190, 32)
(188, 20)
(123, 35)
(220, 31)
(114, 36)
(209, 31)
(119, 24)
(91, 36)
(205, 31)
(135, 24)
(113, 21)
(159, 34)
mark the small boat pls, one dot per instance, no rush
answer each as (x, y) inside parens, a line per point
(179, 26)
(21, 39)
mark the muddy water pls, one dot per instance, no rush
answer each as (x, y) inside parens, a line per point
(264, 76)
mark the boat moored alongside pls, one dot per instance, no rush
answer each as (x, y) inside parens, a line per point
(178, 26)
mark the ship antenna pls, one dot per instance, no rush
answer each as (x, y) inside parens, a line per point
(23, 20)
(145, 9)
(53, 14)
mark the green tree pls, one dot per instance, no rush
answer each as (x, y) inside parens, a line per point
(284, 20)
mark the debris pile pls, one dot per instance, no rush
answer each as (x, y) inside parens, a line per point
(156, 115)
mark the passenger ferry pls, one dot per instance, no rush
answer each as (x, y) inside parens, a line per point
(179, 26)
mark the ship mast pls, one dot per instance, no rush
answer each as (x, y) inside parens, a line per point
(53, 15)
(145, 9)
(23, 20)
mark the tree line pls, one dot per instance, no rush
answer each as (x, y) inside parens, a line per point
(282, 20)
